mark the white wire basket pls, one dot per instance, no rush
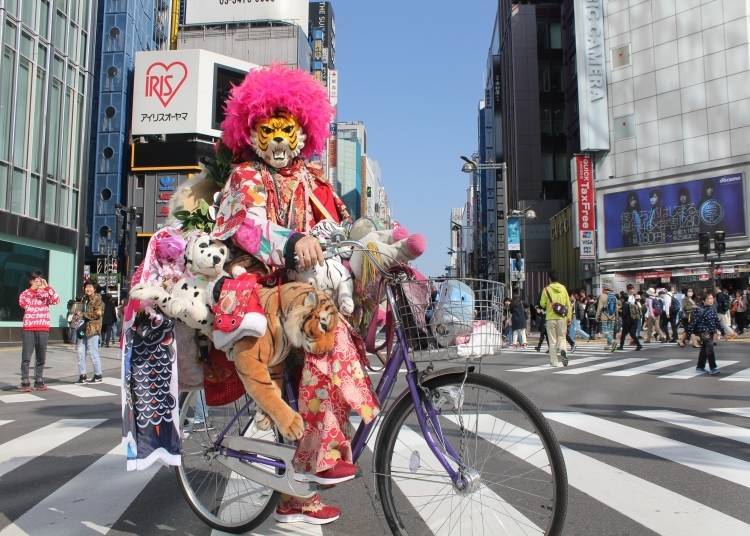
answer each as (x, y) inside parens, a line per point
(450, 318)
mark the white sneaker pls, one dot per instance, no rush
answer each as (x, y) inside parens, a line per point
(558, 365)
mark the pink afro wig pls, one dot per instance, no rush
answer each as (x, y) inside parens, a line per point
(268, 90)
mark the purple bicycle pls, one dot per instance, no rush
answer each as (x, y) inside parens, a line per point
(457, 451)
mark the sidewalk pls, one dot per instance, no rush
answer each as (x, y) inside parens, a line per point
(62, 364)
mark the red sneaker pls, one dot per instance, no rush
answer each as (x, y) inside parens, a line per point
(306, 511)
(341, 472)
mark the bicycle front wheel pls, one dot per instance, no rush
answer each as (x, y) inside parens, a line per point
(223, 499)
(512, 474)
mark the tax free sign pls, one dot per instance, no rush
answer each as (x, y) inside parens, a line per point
(202, 12)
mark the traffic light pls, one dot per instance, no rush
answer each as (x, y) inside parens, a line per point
(720, 245)
(704, 243)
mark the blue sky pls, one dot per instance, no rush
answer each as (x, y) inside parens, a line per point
(413, 72)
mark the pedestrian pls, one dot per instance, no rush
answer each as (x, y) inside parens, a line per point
(666, 315)
(723, 303)
(593, 325)
(542, 323)
(108, 319)
(688, 309)
(579, 314)
(88, 331)
(705, 325)
(35, 302)
(507, 325)
(739, 307)
(654, 308)
(558, 312)
(630, 313)
(607, 311)
(518, 322)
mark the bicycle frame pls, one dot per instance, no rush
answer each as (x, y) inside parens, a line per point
(427, 415)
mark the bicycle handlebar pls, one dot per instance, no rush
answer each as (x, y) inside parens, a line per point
(338, 247)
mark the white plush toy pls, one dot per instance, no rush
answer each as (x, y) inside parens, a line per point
(189, 299)
(333, 278)
(391, 246)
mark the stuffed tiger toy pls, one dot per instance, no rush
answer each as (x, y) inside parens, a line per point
(298, 317)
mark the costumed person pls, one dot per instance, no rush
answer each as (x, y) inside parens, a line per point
(276, 119)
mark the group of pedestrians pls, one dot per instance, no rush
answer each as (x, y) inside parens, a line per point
(664, 315)
(91, 318)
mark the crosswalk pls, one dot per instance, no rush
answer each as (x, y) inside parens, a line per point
(70, 389)
(598, 359)
(697, 445)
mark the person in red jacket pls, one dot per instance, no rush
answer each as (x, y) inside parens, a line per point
(35, 302)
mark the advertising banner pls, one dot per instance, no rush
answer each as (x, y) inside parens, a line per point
(224, 11)
(514, 234)
(585, 206)
(674, 213)
(518, 268)
(592, 78)
(182, 91)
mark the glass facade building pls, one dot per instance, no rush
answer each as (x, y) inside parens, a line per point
(45, 70)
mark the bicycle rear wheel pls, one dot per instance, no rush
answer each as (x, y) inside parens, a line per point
(222, 498)
(514, 479)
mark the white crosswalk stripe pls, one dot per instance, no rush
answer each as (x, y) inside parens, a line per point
(571, 363)
(600, 366)
(699, 424)
(741, 376)
(707, 461)
(659, 509)
(648, 367)
(20, 397)
(94, 499)
(81, 391)
(16, 452)
(115, 382)
(741, 412)
(686, 374)
(5, 422)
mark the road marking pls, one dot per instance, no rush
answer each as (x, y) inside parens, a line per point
(656, 508)
(706, 426)
(116, 382)
(94, 499)
(648, 367)
(80, 391)
(22, 449)
(700, 459)
(741, 376)
(5, 422)
(20, 397)
(571, 363)
(600, 366)
(437, 514)
(686, 374)
(741, 412)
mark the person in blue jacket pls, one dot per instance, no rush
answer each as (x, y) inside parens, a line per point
(705, 324)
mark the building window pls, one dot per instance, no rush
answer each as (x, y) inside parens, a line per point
(3, 187)
(16, 261)
(33, 205)
(17, 192)
(54, 128)
(50, 202)
(6, 85)
(23, 94)
(549, 35)
(624, 127)
(620, 56)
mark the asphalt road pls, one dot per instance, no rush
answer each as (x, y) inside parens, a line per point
(650, 449)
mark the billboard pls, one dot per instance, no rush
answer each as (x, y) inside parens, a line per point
(514, 234)
(227, 11)
(592, 77)
(182, 91)
(585, 205)
(674, 213)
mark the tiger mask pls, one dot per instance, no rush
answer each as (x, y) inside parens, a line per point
(278, 139)
(298, 317)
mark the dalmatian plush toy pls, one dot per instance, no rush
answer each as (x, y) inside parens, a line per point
(190, 298)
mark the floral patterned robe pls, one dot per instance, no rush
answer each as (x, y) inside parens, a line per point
(277, 206)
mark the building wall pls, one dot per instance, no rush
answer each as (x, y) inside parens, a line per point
(262, 45)
(349, 173)
(124, 29)
(45, 71)
(679, 105)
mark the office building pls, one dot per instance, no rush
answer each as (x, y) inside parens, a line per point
(46, 69)
(351, 141)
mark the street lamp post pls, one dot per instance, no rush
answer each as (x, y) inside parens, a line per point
(524, 214)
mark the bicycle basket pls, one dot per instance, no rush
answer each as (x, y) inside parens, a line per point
(450, 318)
